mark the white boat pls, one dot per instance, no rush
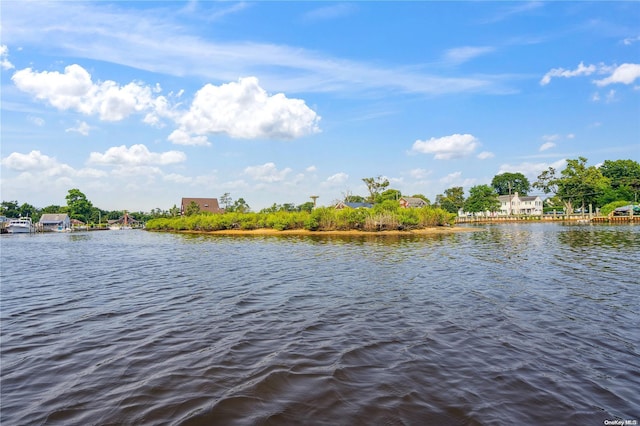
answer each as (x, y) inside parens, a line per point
(22, 225)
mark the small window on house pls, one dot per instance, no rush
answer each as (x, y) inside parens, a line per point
(206, 205)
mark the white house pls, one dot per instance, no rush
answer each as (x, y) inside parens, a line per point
(517, 204)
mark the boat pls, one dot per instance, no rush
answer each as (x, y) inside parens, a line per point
(22, 225)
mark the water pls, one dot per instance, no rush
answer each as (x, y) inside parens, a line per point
(530, 324)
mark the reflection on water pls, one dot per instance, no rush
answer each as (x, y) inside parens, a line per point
(517, 323)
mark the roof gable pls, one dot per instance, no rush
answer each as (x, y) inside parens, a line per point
(206, 204)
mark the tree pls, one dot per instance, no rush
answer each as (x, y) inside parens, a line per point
(375, 185)
(79, 206)
(580, 184)
(482, 198)
(306, 207)
(10, 209)
(577, 184)
(174, 211)
(452, 200)
(625, 179)
(53, 209)
(192, 209)
(226, 200)
(240, 206)
(510, 183)
(389, 194)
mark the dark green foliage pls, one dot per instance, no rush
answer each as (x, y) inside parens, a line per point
(510, 183)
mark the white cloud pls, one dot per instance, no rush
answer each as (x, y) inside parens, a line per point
(311, 169)
(455, 179)
(177, 178)
(485, 155)
(630, 40)
(74, 90)
(155, 41)
(561, 72)
(448, 147)
(82, 127)
(4, 61)
(459, 55)
(338, 178)
(35, 161)
(531, 170)
(267, 172)
(624, 74)
(330, 12)
(419, 173)
(180, 137)
(245, 110)
(137, 155)
(547, 145)
(36, 120)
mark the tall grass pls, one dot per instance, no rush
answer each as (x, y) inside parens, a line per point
(382, 217)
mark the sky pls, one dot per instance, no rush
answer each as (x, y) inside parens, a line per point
(139, 104)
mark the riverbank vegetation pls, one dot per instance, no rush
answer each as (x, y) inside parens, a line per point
(386, 216)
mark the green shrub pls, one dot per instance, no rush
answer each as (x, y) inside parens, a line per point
(608, 208)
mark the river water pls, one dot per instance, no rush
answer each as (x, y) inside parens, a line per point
(513, 324)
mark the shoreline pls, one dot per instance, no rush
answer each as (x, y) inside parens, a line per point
(305, 232)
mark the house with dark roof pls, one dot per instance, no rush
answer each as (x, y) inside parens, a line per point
(412, 202)
(205, 205)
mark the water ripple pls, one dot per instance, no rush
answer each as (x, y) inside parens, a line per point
(474, 328)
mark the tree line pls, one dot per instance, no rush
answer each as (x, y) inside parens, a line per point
(577, 185)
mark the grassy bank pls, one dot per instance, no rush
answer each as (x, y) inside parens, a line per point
(320, 219)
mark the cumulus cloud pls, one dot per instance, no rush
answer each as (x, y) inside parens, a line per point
(267, 172)
(338, 178)
(136, 155)
(624, 74)
(180, 137)
(74, 90)
(630, 40)
(34, 160)
(4, 58)
(82, 127)
(448, 147)
(245, 110)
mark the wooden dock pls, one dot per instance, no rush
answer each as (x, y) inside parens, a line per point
(549, 218)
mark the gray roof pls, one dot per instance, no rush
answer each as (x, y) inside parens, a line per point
(54, 217)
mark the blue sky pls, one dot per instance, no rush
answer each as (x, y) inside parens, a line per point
(139, 104)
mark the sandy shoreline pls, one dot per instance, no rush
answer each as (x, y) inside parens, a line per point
(303, 232)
